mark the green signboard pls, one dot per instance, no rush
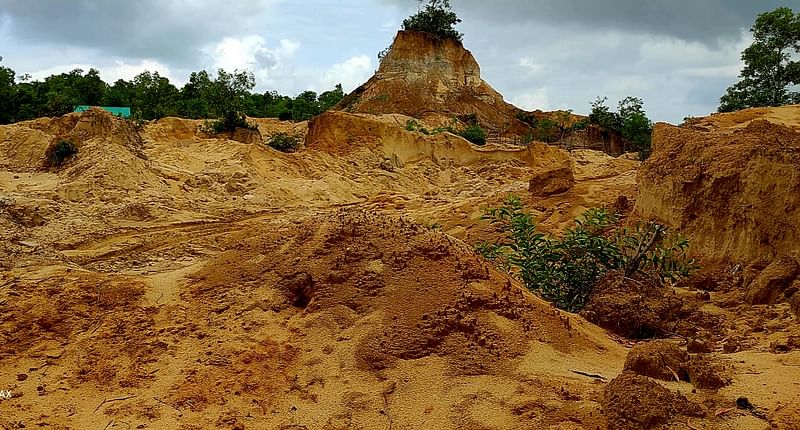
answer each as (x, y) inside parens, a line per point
(124, 112)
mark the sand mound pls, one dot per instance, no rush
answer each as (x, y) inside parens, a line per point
(728, 183)
(635, 402)
(432, 79)
(169, 278)
(343, 133)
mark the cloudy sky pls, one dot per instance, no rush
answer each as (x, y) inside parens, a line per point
(678, 55)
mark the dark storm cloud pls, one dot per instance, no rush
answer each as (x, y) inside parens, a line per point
(705, 21)
(169, 31)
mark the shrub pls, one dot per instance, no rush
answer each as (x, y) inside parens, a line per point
(565, 270)
(435, 18)
(413, 125)
(284, 142)
(57, 153)
(230, 121)
(630, 121)
(474, 133)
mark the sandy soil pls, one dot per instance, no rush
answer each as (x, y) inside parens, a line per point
(165, 278)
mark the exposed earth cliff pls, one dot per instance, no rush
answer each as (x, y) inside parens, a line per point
(164, 277)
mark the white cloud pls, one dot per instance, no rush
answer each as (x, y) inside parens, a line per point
(532, 100)
(110, 73)
(533, 67)
(249, 53)
(123, 70)
(350, 73)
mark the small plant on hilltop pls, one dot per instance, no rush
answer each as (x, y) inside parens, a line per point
(58, 152)
(284, 142)
(435, 18)
(565, 270)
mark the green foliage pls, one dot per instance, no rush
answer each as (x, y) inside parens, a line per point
(413, 125)
(284, 142)
(565, 270)
(229, 122)
(474, 133)
(152, 96)
(436, 18)
(772, 64)
(630, 121)
(60, 151)
(7, 94)
(544, 129)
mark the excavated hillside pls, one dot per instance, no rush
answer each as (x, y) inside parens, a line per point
(167, 278)
(730, 181)
(164, 277)
(432, 79)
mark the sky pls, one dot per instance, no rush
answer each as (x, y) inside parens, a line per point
(679, 56)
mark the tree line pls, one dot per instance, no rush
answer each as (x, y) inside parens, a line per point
(152, 96)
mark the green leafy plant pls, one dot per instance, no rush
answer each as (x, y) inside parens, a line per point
(435, 18)
(630, 122)
(284, 142)
(413, 125)
(474, 133)
(771, 70)
(565, 270)
(60, 151)
(230, 121)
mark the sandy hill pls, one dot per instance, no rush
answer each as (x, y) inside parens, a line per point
(431, 79)
(730, 181)
(167, 278)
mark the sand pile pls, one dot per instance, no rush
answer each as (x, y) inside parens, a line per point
(168, 278)
(432, 79)
(729, 182)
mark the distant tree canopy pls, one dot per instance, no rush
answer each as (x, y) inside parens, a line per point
(630, 121)
(227, 96)
(771, 63)
(436, 18)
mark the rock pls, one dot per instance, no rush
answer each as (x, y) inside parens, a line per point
(768, 287)
(247, 135)
(699, 346)
(634, 402)
(658, 359)
(794, 303)
(705, 373)
(552, 181)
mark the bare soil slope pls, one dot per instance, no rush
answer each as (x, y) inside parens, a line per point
(432, 79)
(166, 278)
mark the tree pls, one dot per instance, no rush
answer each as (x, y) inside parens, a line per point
(226, 97)
(630, 121)
(436, 18)
(7, 95)
(328, 99)
(154, 95)
(771, 64)
(636, 128)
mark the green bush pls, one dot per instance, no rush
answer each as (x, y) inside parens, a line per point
(565, 270)
(230, 121)
(474, 133)
(413, 125)
(630, 121)
(284, 142)
(60, 151)
(435, 18)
